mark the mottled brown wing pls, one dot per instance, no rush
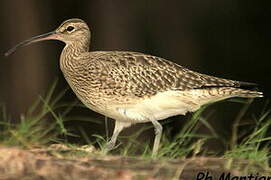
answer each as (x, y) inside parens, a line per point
(145, 75)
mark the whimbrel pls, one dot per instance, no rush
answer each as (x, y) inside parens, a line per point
(132, 87)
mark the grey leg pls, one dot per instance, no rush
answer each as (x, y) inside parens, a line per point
(158, 133)
(119, 126)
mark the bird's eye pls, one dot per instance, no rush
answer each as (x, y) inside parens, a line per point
(70, 28)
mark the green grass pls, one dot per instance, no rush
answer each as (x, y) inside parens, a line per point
(255, 146)
(30, 130)
(40, 125)
(44, 124)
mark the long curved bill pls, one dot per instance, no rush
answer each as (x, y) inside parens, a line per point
(42, 37)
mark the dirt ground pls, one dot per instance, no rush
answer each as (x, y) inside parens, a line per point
(16, 163)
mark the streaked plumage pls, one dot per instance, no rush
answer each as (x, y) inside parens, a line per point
(132, 87)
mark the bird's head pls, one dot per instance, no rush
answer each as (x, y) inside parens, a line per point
(72, 31)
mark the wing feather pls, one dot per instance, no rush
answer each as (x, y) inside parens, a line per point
(145, 75)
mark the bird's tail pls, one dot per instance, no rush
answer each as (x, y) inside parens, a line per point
(249, 90)
(238, 92)
(249, 93)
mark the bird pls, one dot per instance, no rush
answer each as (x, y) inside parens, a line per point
(133, 87)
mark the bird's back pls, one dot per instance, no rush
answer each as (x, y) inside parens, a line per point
(143, 75)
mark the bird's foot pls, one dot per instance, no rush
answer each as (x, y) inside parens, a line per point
(110, 146)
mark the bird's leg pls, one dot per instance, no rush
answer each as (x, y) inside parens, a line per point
(158, 133)
(119, 126)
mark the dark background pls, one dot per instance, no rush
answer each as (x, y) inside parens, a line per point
(225, 38)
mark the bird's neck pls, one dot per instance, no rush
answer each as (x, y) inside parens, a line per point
(75, 49)
(72, 53)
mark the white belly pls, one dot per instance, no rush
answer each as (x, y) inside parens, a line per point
(158, 107)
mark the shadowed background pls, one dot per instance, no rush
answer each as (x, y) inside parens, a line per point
(226, 38)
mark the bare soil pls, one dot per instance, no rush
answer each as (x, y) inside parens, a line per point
(48, 163)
